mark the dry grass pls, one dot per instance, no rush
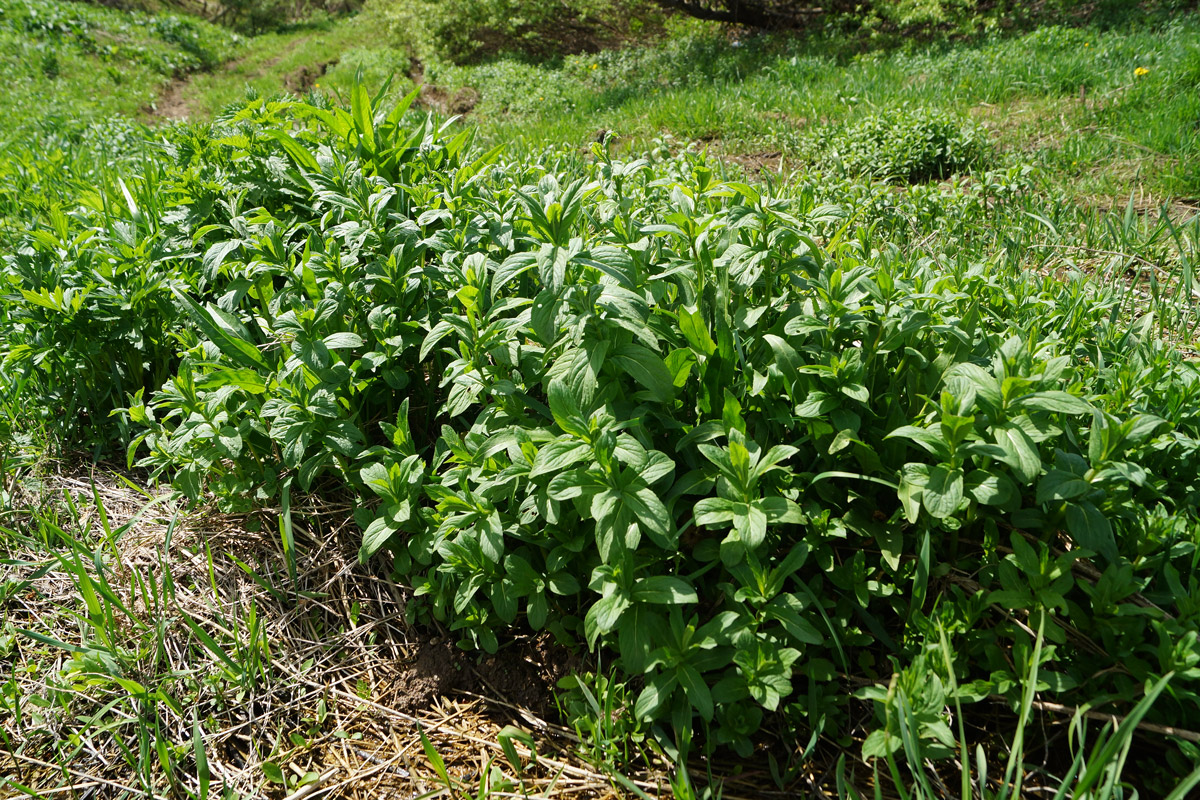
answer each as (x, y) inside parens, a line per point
(333, 696)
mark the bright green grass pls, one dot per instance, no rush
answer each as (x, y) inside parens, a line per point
(1068, 100)
(65, 64)
(324, 56)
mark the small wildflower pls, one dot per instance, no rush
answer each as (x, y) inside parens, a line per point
(595, 66)
(1141, 72)
(1087, 44)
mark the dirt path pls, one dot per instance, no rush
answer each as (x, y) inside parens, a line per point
(173, 103)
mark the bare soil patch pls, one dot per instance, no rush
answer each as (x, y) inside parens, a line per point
(304, 78)
(755, 163)
(171, 104)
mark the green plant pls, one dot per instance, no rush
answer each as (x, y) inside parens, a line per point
(547, 371)
(909, 145)
(600, 709)
(750, 444)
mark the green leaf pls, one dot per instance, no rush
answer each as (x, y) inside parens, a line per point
(223, 330)
(510, 734)
(985, 384)
(780, 509)
(216, 256)
(360, 111)
(1055, 401)
(614, 262)
(772, 459)
(296, 151)
(880, 744)
(817, 404)
(680, 364)
(1057, 485)
(375, 476)
(544, 316)
(504, 601)
(696, 689)
(751, 522)
(1104, 756)
(211, 645)
(784, 610)
(604, 615)
(714, 512)
(664, 590)
(652, 516)
(943, 494)
(641, 632)
(403, 106)
(913, 478)
(512, 267)
(375, 537)
(990, 488)
(203, 775)
(559, 454)
(928, 438)
(1021, 454)
(1091, 529)
(491, 538)
(343, 341)
(693, 328)
(273, 773)
(435, 759)
(657, 692)
(647, 369)
(247, 380)
(571, 484)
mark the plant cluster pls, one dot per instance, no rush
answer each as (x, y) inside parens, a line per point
(738, 437)
(913, 145)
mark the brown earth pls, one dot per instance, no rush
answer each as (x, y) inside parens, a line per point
(304, 78)
(171, 104)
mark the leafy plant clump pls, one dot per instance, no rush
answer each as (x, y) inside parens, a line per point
(909, 145)
(745, 444)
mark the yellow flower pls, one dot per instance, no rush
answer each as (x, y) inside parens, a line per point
(594, 66)
(1141, 72)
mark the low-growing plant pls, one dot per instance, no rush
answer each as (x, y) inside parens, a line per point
(912, 145)
(600, 709)
(747, 441)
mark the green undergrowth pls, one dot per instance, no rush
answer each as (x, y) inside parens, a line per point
(67, 63)
(323, 56)
(76, 78)
(1069, 99)
(889, 458)
(756, 446)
